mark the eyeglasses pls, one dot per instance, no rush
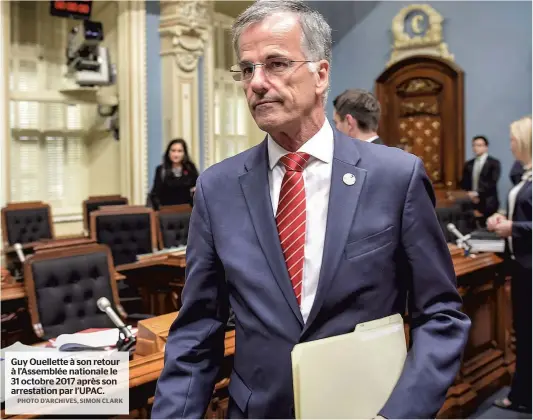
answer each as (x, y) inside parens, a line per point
(243, 72)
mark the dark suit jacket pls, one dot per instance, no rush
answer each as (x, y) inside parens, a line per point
(487, 184)
(382, 240)
(377, 141)
(521, 232)
(169, 190)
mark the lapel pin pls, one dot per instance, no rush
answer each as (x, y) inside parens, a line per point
(349, 179)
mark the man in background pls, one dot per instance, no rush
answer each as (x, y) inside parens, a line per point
(357, 114)
(480, 179)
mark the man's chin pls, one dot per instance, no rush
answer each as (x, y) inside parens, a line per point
(267, 122)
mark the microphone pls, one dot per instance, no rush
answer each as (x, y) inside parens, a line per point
(20, 254)
(105, 306)
(462, 241)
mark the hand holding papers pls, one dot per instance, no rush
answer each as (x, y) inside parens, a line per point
(350, 375)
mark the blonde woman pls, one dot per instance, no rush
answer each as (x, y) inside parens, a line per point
(516, 229)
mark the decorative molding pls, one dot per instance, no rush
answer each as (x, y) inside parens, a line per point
(195, 14)
(417, 86)
(185, 33)
(187, 61)
(132, 94)
(412, 108)
(417, 30)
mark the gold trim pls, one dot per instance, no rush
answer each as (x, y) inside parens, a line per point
(420, 85)
(431, 43)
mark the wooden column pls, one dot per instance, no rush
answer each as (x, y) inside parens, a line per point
(185, 31)
(132, 93)
(5, 131)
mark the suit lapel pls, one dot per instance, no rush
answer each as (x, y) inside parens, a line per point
(255, 186)
(343, 201)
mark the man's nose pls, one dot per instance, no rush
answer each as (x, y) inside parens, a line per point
(259, 82)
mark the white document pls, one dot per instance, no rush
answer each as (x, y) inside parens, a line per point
(104, 338)
(350, 375)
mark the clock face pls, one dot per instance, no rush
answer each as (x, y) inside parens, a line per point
(416, 23)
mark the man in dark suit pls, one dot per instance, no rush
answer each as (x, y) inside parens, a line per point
(357, 114)
(305, 236)
(480, 179)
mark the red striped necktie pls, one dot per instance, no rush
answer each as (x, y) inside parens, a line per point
(291, 217)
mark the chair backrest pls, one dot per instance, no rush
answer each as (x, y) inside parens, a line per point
(63, 286)
(26, 222)
(173, 225)
(127, 230)
(95, 202)
(460, 218)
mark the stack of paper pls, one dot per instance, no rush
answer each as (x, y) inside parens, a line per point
(484, 241)
(351, 375)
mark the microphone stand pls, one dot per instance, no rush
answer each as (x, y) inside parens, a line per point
(126, 343)
(465, 245)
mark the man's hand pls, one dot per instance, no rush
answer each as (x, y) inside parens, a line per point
(494, 220)
(504, 229)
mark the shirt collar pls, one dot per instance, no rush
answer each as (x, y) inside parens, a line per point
(320, 146)
(483, 156)
(371, 139)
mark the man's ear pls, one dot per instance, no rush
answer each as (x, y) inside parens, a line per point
(352, 122)
(322, 76)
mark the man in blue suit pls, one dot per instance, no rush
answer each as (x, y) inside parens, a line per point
(305, 236)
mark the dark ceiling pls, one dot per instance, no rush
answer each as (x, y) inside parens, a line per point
(341, 15)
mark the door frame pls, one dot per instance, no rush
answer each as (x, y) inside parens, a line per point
(453, 167)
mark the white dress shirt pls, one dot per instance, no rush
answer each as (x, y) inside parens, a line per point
(317, 180)
(371, 139)
(476, 171)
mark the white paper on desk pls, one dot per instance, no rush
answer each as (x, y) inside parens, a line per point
(350, 375)
(178, 250)
(104, 338)
(18, 346)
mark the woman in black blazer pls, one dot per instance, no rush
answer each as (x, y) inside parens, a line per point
(516, 229)
(175, 179)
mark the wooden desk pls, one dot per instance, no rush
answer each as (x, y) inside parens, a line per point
(488, 359)
(14, 291)
(154, 276)
(167, 260)
(487, 363)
